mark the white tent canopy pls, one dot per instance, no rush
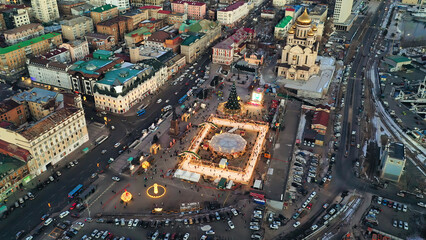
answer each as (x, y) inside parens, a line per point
(186, 175)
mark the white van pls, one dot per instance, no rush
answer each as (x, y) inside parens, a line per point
(167, 108)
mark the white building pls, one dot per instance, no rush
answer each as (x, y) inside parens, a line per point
(22, 18)
(54, 136)
(232, 14)
(49, 72)
(45, 10)
(121, 4)
(122, 88)
(342, 10)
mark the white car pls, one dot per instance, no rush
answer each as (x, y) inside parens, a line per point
(186, 236)
(406, 226)
(117, 145)
(255, 227)
(405, 208)
(296, 224)
(48, 221)
(234, 211)
(104, 151)
(204, 237)
(210, 232)
(167, 100)
(135, 223)
(117, 179)
(273, 226)
(58, 173)
(94, 233)
(64, 214)
(379, 200)
(231, 224)
(421, 204)
(130, 223)
(159, 100)
(314, 227)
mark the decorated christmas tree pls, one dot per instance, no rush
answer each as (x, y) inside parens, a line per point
(233, 103)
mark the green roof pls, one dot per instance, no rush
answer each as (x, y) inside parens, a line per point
(91, 66)
(283, 23)
(139, 31)
(120, 76)
(399, 59)
(103, 8)
(27, 43)
(189, 40)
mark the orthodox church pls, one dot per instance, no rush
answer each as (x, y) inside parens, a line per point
(300, 52)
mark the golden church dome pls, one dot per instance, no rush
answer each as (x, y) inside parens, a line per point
(314, 28)
(304, 19)
(291, 31)
(310, 33)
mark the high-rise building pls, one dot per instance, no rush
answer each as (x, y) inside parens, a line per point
(393, 161)
(342, 10)
(45, 10)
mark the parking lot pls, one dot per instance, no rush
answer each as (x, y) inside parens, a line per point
(392, 217)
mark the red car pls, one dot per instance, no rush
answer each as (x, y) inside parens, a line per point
(73, 206)
(309, 206)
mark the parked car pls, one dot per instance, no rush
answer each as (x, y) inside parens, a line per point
(117, 179)
(296, 224)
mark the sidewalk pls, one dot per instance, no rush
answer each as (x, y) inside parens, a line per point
(94, 132)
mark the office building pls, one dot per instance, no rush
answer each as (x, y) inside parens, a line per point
(116, 27)
(393, 161)
(122, 88)
(49, 73)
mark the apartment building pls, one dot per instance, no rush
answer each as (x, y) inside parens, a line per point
(224, 52)
(77, 48)
(84, 74)
(122, 5)
(123, 88)
(23, 33)
(77, 27)
(13, 112)
(13, 58)
(100, 41)
(104, 13)
(232, 14)
(52, 137)
(281, 29)
(49, 73)
(21, 18)
(199, 38)
(116, 27)
(59, 54)
(194, 10)
(143, 52)
(45, 10)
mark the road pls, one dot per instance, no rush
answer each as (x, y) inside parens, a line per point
(344, 178)
(127, 130)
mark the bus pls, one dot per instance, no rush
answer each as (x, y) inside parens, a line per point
(183, 99)
(75, 191)
(141, 112)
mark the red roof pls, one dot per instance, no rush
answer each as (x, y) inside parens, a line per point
(321, 118)
(164, 12)
(14, 151)
(189, 2)
(290, 9)
(150, 7)
(232, 7)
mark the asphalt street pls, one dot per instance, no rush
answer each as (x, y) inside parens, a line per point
(127, 130)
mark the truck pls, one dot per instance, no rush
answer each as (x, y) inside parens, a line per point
(353, 138)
